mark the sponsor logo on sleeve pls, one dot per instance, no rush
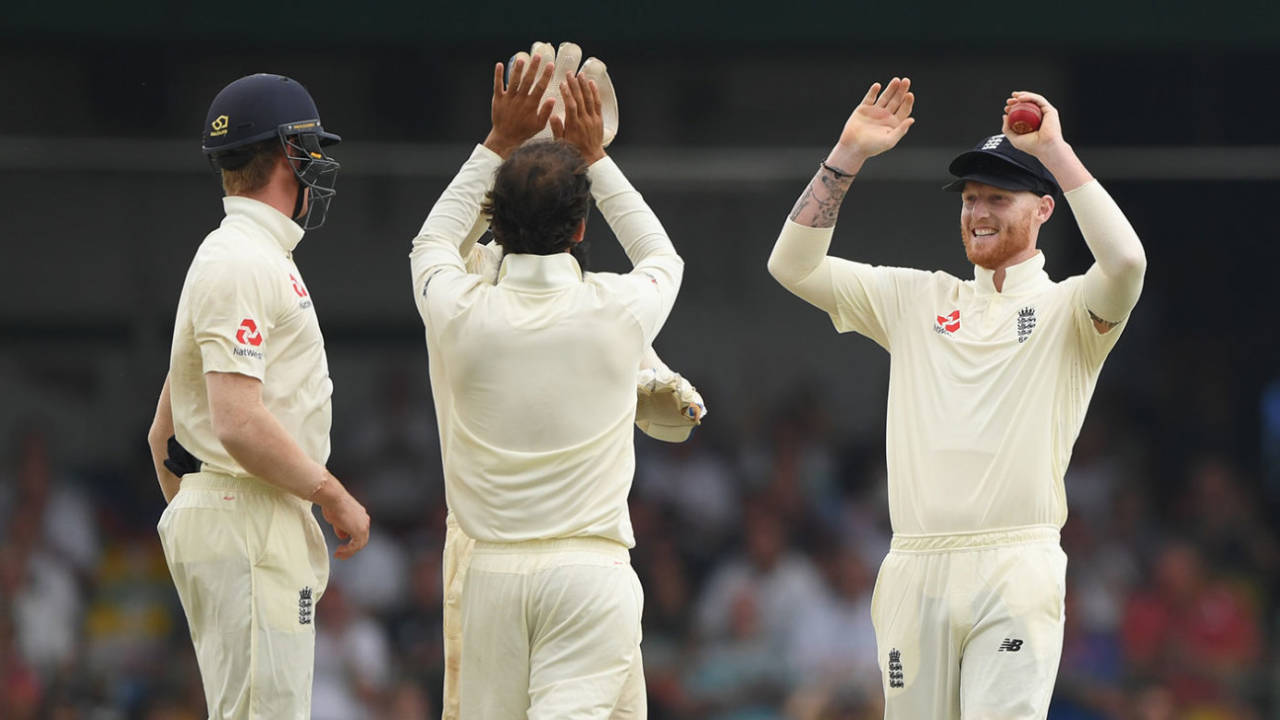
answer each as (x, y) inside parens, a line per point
(1010, 645)
(249, 337)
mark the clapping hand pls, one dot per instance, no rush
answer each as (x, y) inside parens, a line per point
(518, 110)
(583, 123)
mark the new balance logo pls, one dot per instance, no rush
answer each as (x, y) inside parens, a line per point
(896, 675)
(1010, 645)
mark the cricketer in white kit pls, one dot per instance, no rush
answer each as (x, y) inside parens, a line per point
(534, 380)
(989, 382)
(241, 431)
(668, 406)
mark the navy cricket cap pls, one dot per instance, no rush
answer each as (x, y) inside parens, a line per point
(995, 161)
(260, 107)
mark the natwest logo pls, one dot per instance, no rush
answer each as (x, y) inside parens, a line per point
(298, 288)
(247, 333)
(947, 324)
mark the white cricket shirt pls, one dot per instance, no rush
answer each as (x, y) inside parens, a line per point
(245, 309)
(534, 378)
(987, 390)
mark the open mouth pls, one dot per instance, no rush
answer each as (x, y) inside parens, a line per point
(984, 232)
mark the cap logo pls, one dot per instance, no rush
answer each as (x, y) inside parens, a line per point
(219, 126)
(993, 142)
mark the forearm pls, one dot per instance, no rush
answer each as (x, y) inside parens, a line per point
(257, 440)
(478, 228)
(1061, 160)
(454, 218)
(636, 226)
(820, 202)
(158, 440)
(799, 258)
(1113, 284)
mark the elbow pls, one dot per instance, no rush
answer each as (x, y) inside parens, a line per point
(230, 429)
(1131, 267)
(1137, 263)
(781, 271)
(157, 438)
(775, 268)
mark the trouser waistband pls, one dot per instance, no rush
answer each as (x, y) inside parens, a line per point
(967, 541)
(209, 480)
(574, 544)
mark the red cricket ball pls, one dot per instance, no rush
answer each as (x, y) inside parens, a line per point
(1024, 117)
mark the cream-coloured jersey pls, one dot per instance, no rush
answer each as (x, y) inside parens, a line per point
(987, 390)
(244, 309)
(534, 378)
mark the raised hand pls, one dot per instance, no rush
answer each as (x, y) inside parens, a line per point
(518, 111)
(1042, 141)
(583, 123)
(878, 122)
(1047, 144)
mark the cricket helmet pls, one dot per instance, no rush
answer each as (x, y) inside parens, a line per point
(264, 106)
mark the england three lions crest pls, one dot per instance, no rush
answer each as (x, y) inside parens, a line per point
(1026, 322)
(305, 606)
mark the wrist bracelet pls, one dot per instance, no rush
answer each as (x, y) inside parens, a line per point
(838, 173)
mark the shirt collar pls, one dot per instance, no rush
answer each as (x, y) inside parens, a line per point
(1020, 278)
(284, 231)
(539, 272)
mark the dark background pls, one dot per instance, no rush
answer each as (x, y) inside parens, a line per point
(726, 110)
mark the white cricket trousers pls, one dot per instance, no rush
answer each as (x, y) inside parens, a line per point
(457, 557)
(250, 563)
(550, 631)
(969, 627)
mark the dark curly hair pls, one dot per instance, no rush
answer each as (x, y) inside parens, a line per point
(540, 194)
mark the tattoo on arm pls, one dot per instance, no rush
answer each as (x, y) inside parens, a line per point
(820, 202)
(1105, 323)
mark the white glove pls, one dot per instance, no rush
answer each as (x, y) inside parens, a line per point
(668, 407)
(566, 61)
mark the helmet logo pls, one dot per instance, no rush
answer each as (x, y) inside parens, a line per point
(219, 126)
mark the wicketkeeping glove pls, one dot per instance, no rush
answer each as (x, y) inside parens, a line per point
(668, 407)
(566, 61)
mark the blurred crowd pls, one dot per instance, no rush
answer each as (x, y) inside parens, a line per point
(757, 548)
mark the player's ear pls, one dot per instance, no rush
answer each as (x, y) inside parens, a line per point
(1045, 209)
(580, 231)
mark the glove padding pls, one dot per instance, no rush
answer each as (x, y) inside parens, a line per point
(566, 61)
(180, 462)
(668, 407)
